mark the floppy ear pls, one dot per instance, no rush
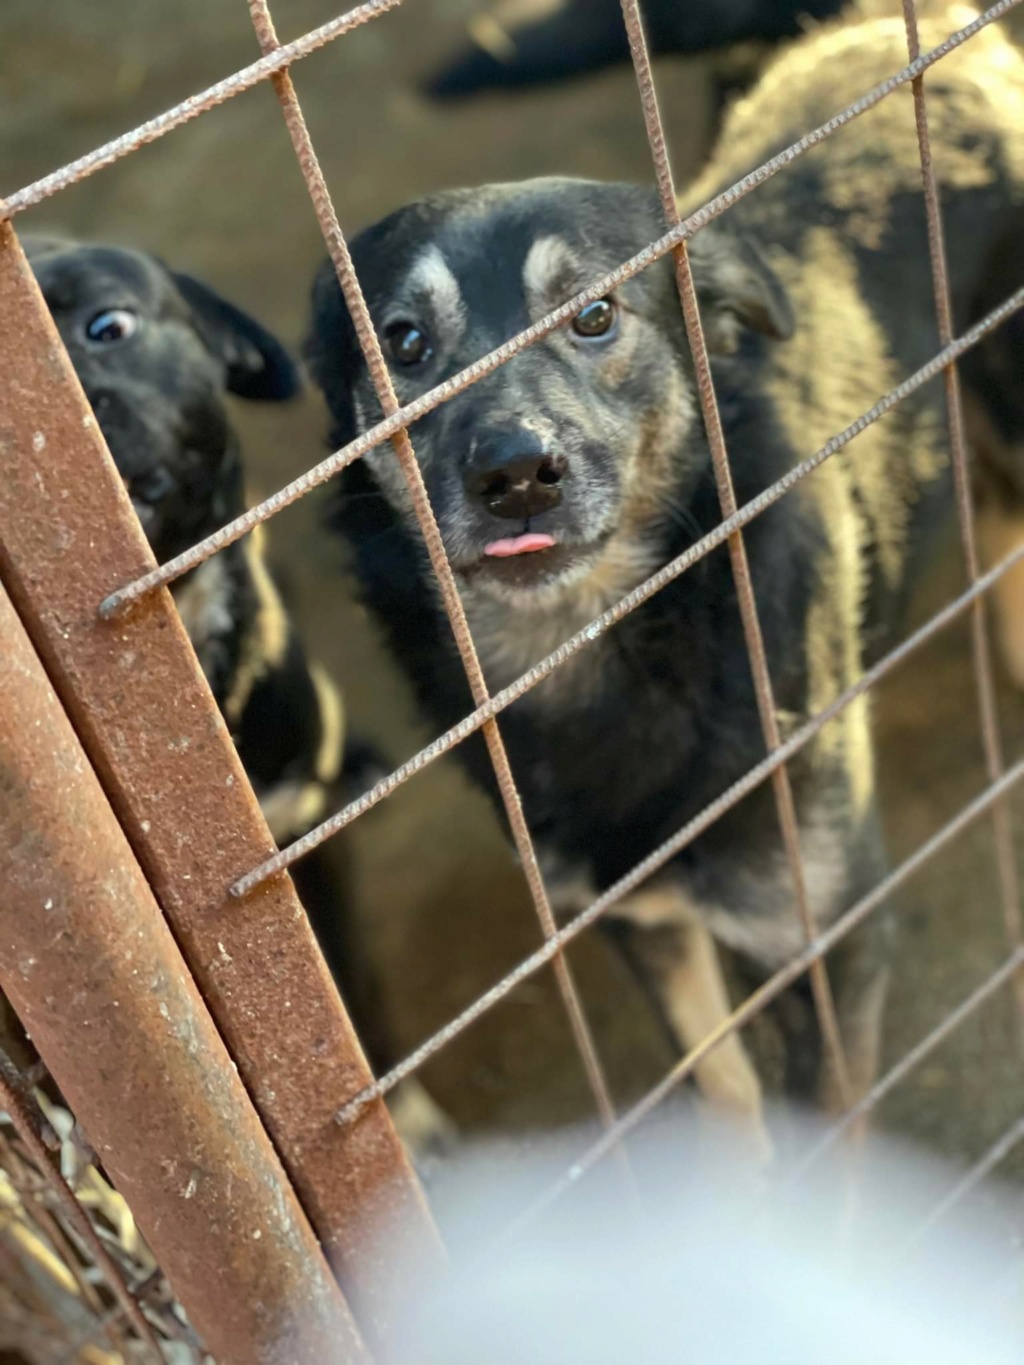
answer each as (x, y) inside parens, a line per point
(257, 366)
(331, 352)
(737, 288)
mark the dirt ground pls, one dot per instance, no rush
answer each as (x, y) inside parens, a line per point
(438, 895)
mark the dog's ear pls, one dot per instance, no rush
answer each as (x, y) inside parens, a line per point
(256, 364)
(737, 288)
(331, 351)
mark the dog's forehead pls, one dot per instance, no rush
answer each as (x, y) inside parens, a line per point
(507, 228)
(537, 238)
(72, 275)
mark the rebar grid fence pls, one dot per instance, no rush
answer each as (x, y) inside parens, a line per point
(247, 877)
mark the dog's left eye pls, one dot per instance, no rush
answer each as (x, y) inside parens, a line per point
(595, 320)
(113, 324)
(408, 344)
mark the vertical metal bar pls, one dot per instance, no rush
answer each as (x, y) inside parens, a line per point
(381, 377)
(1006, 862)
(783, 791)
(146, 718)
(91, 968)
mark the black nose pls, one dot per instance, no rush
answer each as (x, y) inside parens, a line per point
(520, 489)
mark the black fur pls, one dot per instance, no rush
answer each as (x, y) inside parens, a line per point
(992, 369)
(158, 396)
(583, 36)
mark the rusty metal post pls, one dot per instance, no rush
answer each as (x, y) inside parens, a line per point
(148, 723)
(91, 967)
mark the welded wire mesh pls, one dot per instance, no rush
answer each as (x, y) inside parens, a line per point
(989, 804)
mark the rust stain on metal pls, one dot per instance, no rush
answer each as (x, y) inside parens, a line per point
(149, 725)
(90, 965)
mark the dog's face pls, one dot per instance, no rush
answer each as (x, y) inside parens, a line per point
(155, 352)
(569, 449)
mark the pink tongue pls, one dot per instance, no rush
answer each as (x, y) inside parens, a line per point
(519, 545)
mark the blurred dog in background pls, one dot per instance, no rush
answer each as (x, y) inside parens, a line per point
(523, 44)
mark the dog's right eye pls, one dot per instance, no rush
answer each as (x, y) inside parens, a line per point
(408, 344)
(113, 324)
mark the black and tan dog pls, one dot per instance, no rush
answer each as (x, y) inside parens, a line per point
(157, 352)
(572, 473)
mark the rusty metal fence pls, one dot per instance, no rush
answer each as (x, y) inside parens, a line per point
(146, 914)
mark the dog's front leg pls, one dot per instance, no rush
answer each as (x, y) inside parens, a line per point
(677, 962)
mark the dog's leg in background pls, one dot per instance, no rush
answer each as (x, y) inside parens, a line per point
(860, 976)
(533, 42)
(1000, 532)
(677, 963)
(993, 398)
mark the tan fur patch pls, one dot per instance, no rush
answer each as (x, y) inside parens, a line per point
(983, 89)
(686, 973)
(550, 270)
(291, 809)
(332, 724)
(202, 603)
(432, 276)
(265, 645)
(492, 31)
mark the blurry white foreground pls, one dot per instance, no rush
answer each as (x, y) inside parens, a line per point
(709, 1266)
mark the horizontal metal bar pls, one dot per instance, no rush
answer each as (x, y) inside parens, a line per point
(191, 108)
(411, 412)
(674, 569)
(661, 855)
